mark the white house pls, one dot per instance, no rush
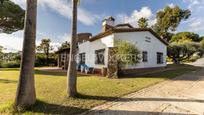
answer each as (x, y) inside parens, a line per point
(153, 48)
(94, 51)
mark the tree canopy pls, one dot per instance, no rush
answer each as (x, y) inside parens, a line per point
(179, 52)
(45, 47)
(186, 36)
(143, 22)
(11, 17)
(64, 45)
(202, 43)
(169, 19)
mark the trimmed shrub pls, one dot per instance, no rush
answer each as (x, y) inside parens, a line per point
(10, 65)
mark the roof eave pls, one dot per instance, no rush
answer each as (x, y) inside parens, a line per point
(115, 30)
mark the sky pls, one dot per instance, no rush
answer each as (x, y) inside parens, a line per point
(54, 18)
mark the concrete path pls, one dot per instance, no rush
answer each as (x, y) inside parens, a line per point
(199, 62)
(180, 96)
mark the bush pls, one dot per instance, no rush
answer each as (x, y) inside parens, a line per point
(10, 65)
(41, 61)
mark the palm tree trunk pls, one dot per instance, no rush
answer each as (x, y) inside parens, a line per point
(25, 95)
(47, 58)
(71, 73)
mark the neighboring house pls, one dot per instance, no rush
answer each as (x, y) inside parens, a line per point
(63, 58)
(63, 54)
(95, 51)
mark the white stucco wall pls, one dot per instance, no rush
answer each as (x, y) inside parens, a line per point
(89, 49)
(138, 38)
(152, 47)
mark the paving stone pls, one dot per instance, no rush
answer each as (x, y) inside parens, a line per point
(180, 96)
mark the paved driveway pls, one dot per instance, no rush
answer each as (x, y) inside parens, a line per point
(180, 96)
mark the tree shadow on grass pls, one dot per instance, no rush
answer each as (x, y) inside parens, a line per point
(119, 99)
(46, 108)
(9, 69)
(170, 72)
(50, 73)
(60, 73)
(7, 81)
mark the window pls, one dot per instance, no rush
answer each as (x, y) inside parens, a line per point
(147, 39)
(62, 57)
(160, 59)
(100, 57)
(144, 56)
(82, 58)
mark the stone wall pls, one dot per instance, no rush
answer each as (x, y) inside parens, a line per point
(141, 71)
(112, 70)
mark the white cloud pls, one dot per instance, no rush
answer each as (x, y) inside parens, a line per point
(171, 5)
(195, 22)
(12, 43)
(64, 8)
(22, 3)
(144, 12)
(136, 15)
(195, 4)
(65, 37)
(55, 45)
(196, 25)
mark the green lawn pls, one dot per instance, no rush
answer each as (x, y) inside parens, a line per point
(93, 90)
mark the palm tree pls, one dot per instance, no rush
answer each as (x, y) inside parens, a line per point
(71, 73)
(26, 95)
(46, 48)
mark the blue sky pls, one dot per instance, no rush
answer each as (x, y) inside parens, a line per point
(54, 17)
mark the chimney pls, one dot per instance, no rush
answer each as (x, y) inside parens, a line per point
(108, 23)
